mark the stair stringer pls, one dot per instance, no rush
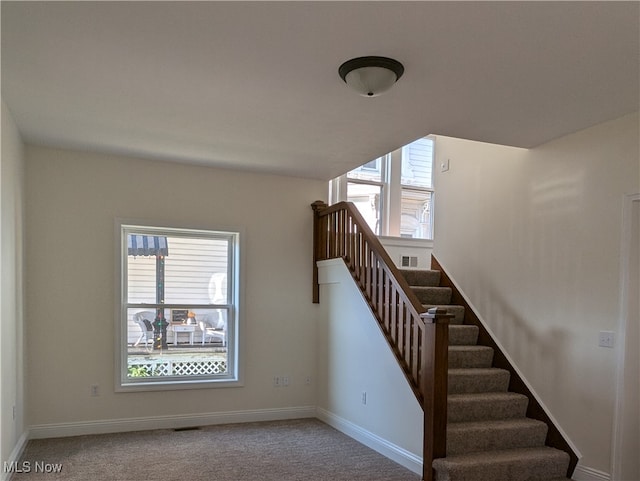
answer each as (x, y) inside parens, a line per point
(536, 409)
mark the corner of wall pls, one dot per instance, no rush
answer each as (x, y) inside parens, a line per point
(12, 358)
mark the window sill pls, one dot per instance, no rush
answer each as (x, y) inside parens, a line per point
(178, 385)
(405, 241)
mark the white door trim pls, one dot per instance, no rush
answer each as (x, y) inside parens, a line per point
(620, 416)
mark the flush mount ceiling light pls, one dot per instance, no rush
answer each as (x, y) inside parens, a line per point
(371, 76)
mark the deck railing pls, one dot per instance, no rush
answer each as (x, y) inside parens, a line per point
(417, 337)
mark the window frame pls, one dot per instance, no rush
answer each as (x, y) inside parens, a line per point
(233, 377)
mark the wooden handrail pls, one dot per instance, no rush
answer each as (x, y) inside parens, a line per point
(418, 339)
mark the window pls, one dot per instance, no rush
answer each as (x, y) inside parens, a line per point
(394, 193)
(416, 182)
(178, 319)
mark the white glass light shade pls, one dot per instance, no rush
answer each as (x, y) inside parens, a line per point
(370, 81)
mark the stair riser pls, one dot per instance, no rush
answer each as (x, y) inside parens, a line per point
(480, 358)
(433, 295)
(492, 438)
(539, 469)
(463, 335)
(466, 410)
(421, 277)
(497, 381)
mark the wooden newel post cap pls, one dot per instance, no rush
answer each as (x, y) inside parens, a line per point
(319, 205)
(436, 315)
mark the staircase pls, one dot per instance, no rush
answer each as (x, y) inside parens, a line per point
(489, 437)
(481, 421)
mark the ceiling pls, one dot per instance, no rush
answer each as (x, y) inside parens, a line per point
(255, 85)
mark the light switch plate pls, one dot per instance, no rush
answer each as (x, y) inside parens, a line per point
(605, 339)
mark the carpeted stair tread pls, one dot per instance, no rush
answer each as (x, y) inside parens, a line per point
(457, 311)
(525, 464)
(470, 356)
(419, 277)
(475, 436)
(478, 380)
(432, 295)
(463, 335)
(486, 406)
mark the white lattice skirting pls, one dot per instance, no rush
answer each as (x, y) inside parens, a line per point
(182, 368)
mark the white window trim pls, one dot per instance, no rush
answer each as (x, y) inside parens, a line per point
(236, 378)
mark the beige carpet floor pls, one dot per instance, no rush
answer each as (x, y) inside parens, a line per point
(304, 449)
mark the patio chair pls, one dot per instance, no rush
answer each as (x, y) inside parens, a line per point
(210, 331)
(143, 322)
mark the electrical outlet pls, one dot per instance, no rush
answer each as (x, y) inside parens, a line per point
(605, 339)
(94, 391)
(276, 381)
(307, 381)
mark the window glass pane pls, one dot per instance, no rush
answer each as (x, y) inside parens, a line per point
(416, 218)
(179, 306)
(370, 171)
(417, 163)
(196, 348)
(195, 271)
(367, 199)
(141, 273)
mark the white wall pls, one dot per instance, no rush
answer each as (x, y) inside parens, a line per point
(72, 201)
(354, 357)
(533, 239)
(397, 247)
(11, 289)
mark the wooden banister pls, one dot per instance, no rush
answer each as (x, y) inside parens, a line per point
(418, 339)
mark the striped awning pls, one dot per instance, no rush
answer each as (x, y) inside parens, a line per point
(147, 245)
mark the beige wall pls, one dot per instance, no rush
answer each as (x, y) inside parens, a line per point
(11, 288)
(354, 358)
(533, 239)
(72, 201)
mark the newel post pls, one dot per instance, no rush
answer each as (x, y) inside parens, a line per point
(435, 381)
(317, 207)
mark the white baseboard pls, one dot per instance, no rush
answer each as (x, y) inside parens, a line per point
(584, 473)
(42, 431)
(375, 442)
(15, 456)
